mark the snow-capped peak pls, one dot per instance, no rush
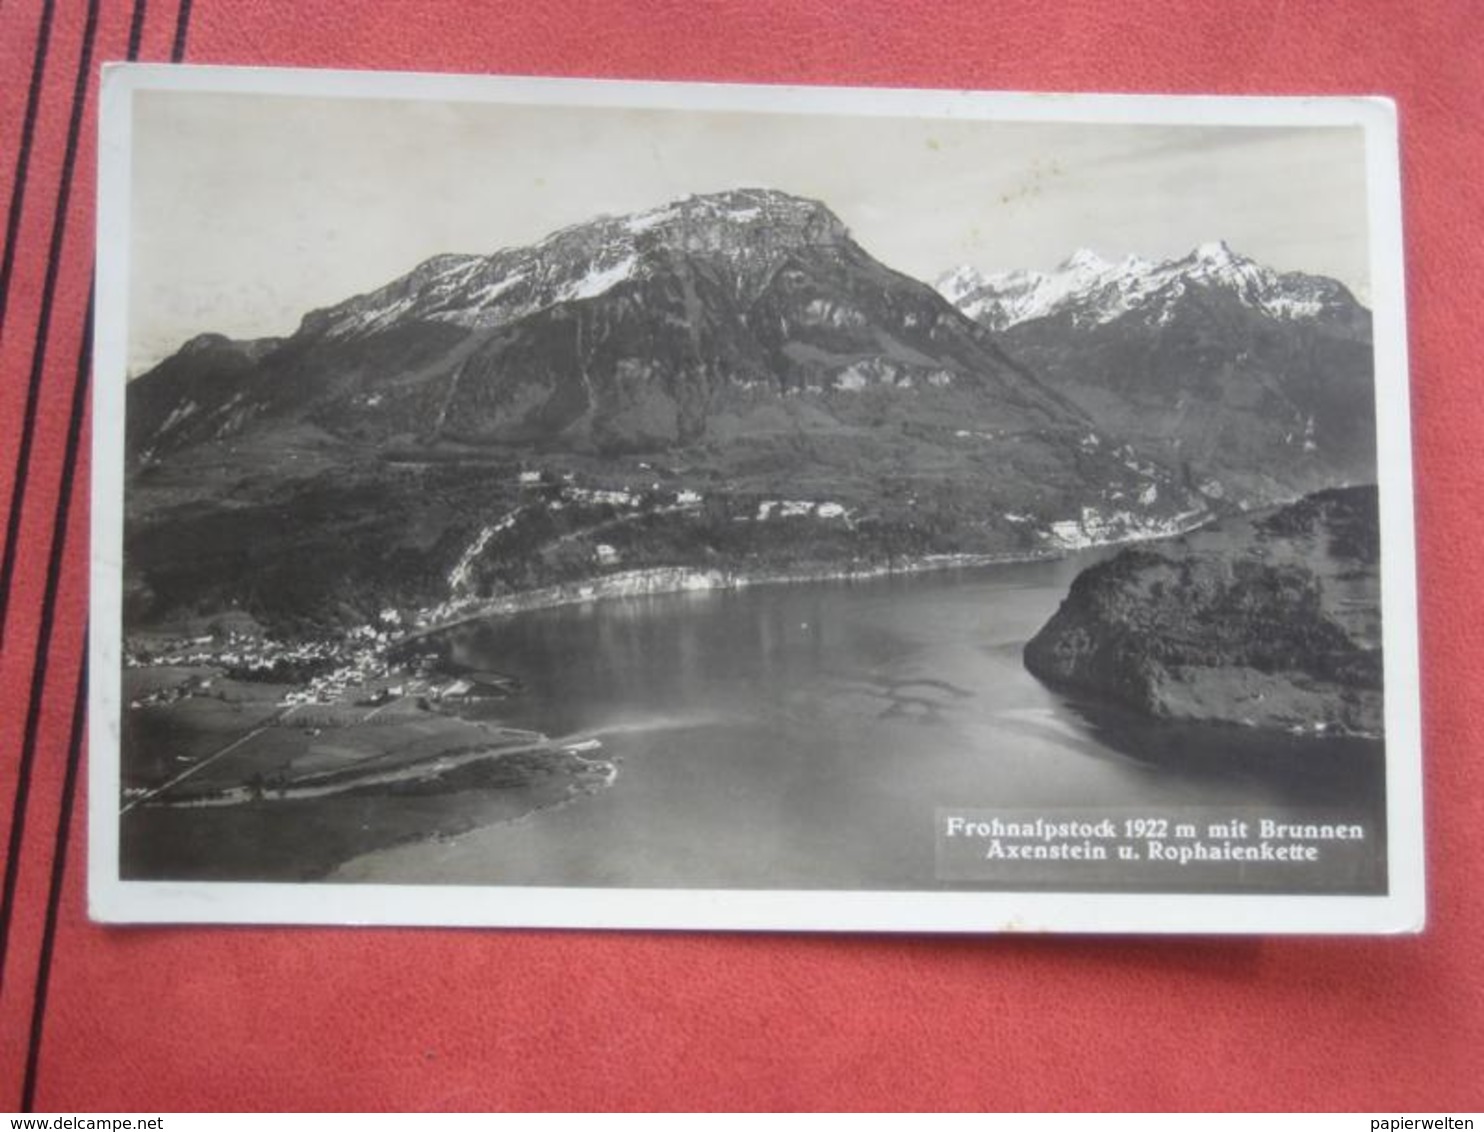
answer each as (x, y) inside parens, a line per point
(1094, 290)
(1002, 300)
(1085, 260)
(1215, 252)
(960, 281)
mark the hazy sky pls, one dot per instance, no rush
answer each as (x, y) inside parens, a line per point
(248, 210)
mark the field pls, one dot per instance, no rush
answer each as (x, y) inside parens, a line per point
(225, 781)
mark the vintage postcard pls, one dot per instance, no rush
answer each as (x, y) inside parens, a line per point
(550, 502)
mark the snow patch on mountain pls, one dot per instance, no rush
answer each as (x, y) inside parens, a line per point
(487, 294)
(178, 415)
(601, 279)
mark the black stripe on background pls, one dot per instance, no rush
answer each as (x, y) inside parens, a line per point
(182, 26)
(18, 494)
(43, 645)
(23, 158)
(42, 658)
(136, 31)
(38, 362)
(79, 707)
(59, 870)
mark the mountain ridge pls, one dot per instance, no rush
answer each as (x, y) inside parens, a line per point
(511, 283)
(1094, 290)
(626, 330)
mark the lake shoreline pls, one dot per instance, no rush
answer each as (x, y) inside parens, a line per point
(660, 581)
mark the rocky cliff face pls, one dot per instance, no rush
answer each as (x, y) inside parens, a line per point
(1271, 621)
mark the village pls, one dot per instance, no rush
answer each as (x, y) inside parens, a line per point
(353, 668)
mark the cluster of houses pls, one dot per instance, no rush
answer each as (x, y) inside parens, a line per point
(353, 669)
(236, 651)
(173, 692)
(798, 508)
(346, 664)
(626, 496)
(362, 661)
(1095, 527)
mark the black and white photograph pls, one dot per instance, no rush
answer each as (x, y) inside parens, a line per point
(552, 502)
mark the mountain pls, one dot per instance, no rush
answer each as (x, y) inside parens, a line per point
(1266, 621)
(738, 348)
(1258, 385)
(623, 333)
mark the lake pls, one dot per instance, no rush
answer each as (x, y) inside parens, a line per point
(806, 735)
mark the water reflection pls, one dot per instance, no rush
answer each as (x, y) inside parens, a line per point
(1339, 771)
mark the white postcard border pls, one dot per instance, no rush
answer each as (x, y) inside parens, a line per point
(1401, 910)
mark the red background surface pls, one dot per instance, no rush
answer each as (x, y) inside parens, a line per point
(284, 1018)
